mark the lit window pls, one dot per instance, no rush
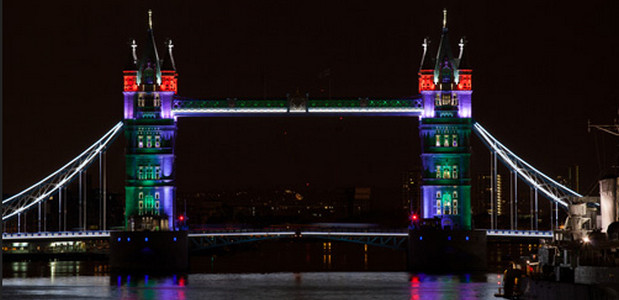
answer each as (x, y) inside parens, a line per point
(141, 196)
(455, 207)
(157, 172)
(454, 99)
(446, 99)
(157, 196)
(438, 140)
(149, 172)
(438, 171)
(454, 140)
(446, 140)
(140, 141)
(140, 100)
(157, 204)
(157, 141)
(437, 100)
(455, 194)
(446, 172)
(157, 101)
(141, 204)
(149, 142)
(438, 206)
(141, 172)
(438, 195)
(455, 172)
(447, 208)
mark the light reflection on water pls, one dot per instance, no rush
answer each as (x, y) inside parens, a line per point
(306, 285)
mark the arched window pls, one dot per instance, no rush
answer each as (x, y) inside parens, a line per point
(438, 140)
(438, 171)
(446, 140)
(446, 173)
(454, 140)
(454, 171)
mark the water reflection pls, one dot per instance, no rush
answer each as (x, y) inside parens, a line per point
(461, 286)
(52, 269)
(146, 286)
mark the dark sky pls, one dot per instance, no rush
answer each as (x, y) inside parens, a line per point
(541, 70)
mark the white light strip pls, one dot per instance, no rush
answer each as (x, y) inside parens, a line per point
(525, 176)
(492, 142)
(258, 233)
(55, 235)
(228, 110)
(518, 233)
(527, 164)
(388, 234)
(291, 233)
(364, 110)
(113, 130)
(102, 144)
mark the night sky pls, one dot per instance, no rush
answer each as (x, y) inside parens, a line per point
(541, 70)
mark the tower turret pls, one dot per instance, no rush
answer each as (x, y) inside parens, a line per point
(445, 128)
(150, 131)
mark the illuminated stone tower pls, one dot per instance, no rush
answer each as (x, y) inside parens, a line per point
(150, 129)
(445, 129)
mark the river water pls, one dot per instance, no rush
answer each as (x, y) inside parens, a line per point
(267, 271)
(65, 282)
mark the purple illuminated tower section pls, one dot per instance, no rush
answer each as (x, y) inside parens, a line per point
(445, 129)
(150, 130)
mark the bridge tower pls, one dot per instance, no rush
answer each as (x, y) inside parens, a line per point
(445, 129)
(150, 130)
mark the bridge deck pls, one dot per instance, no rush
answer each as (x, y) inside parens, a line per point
(253, 233)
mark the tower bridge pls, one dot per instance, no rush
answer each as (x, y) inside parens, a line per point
(152, 107)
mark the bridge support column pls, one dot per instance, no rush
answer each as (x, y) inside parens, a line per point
(556, 215)
(516, 200)
(531, 207)
(60, 209)
(104, 191)
(80, 207)
(536, 212)
(39, 219)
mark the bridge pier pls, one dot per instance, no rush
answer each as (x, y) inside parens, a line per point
(431, 250)
(149, 251)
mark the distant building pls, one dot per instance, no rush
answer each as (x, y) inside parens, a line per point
(411, 191)
(483, 196)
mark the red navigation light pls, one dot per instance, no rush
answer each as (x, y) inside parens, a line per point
(181, 217)
(414, 217)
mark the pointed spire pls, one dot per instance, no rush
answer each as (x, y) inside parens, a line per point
(132, 60)
(462, 59)
(427, 62)
(168, 60)
(444, 55)
(149, 71)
